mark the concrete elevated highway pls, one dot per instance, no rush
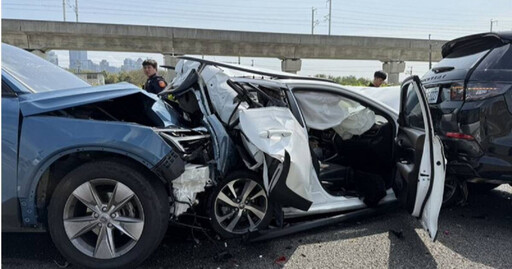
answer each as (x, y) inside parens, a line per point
(290, 48)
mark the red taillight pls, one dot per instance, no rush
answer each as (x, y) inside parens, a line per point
(479, 91)
(459, 136)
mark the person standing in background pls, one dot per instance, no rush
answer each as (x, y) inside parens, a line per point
(155, 83)
(378, 78)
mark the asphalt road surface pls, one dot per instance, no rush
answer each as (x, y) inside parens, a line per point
(477, 235)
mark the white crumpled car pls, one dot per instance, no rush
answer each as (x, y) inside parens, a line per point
(281, 146)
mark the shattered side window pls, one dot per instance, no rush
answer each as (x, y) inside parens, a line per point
(36, 73)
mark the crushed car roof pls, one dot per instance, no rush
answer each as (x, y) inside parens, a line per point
(257, 71)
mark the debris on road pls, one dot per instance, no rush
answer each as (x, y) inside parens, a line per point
(398, 234)
(65, 265)
(222, 256)
(280, 261)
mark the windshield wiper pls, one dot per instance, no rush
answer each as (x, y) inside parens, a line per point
(441, 69)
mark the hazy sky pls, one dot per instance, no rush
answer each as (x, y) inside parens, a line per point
(408, 19)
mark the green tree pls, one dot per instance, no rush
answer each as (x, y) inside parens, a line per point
(110, 77)
(135, 77)
(347, 80)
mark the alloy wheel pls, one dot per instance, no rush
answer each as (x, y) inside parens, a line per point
(103, 218)
(240, 206)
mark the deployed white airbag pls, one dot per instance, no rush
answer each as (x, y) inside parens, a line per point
(325, 110)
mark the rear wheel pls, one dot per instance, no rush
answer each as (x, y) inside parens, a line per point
(238, 205)
(455, 191)
(106, 214)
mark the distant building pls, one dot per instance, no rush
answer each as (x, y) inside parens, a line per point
(93, 78)
(105, 66)
(130, 64)
(91, 66)
(78, 60)
(52, 58)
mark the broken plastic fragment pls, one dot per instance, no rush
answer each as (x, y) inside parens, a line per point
(186, 186)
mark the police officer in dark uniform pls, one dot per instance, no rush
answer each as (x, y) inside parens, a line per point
(155, 83)
(378, 79)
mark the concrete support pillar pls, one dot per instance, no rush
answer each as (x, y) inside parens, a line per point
(393, 69)
(39, 53)
(291, 65)
(170, 60)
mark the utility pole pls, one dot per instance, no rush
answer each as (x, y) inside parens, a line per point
(312, 20)
(493, 22)
(330, 15)
(64, 9)
(76, 10)
(429, 54)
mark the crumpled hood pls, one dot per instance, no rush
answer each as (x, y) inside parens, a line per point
(37, 103)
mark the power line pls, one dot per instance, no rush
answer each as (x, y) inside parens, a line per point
(259, 16)
(348, 24)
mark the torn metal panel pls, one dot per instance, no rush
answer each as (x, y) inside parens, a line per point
(275, 131)
(222, 96)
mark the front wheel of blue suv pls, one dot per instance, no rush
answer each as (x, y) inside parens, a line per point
(106, 214)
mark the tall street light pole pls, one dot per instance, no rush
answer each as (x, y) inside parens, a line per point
(330, 15)
(493, 22)
(64, 9)
(76, 10)
(312, 20)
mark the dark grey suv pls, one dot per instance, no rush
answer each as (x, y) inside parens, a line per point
(470, 98)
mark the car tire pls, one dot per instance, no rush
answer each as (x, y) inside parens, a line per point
(455, 191)
(250, 214)
(481, 187)
(123, 231)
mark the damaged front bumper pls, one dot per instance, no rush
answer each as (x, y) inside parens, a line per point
(187, 168)
(170, 167)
